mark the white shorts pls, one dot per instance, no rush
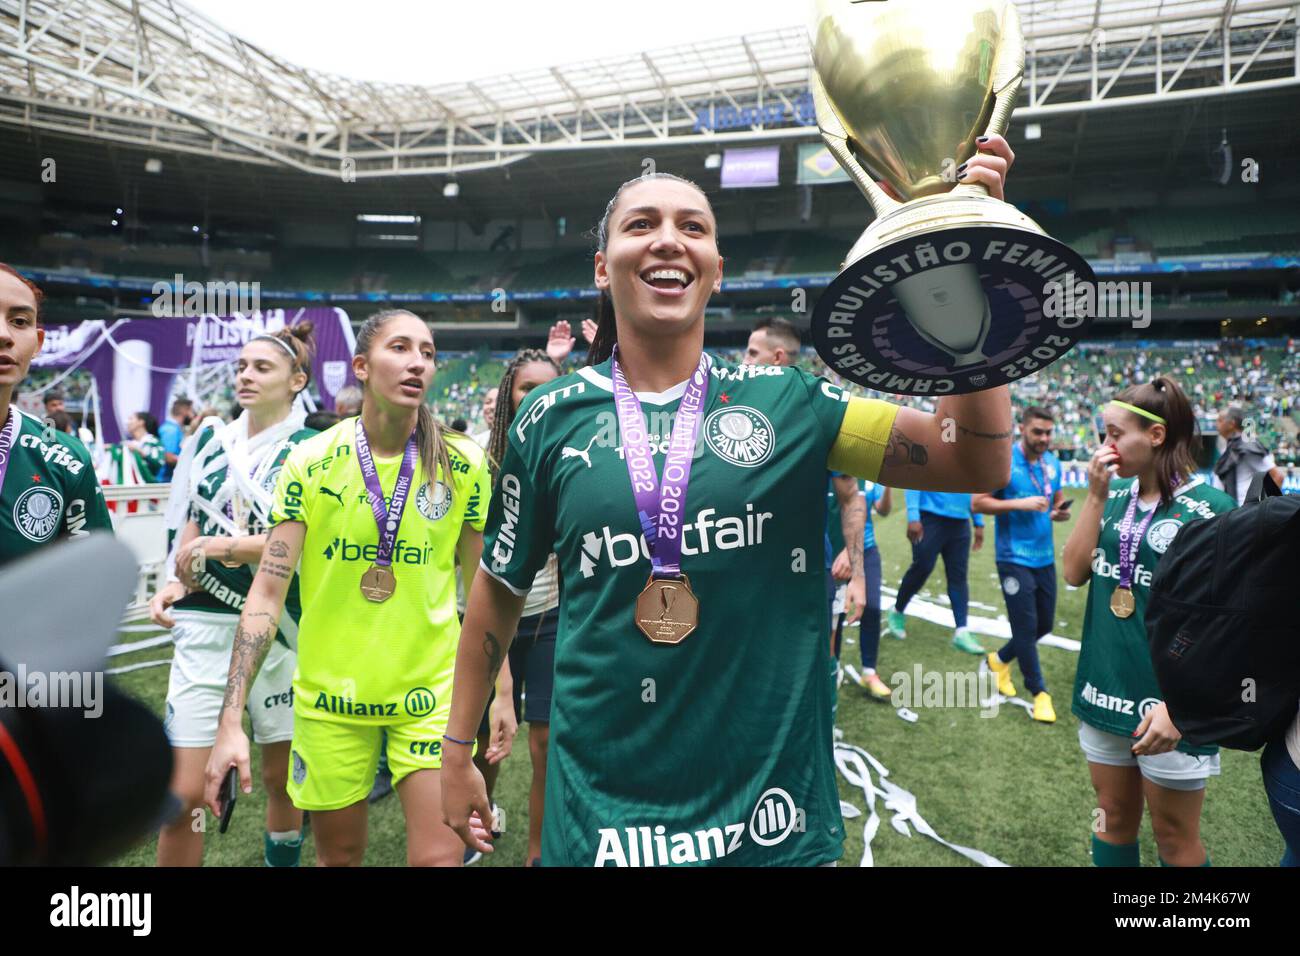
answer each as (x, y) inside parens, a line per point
(197, 685)
(1174, 770)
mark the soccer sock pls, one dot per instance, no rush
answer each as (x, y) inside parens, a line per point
(1114, 854)
(283, 849)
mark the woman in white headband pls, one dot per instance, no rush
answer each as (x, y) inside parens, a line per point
(221, 498)
(1135, 753)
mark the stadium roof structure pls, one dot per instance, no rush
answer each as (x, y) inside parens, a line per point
(158, 76)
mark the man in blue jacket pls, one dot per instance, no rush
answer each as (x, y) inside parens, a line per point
(940, 523)
(1026, 554)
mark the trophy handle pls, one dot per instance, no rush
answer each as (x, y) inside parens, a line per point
(1008, 74)
(836, 138)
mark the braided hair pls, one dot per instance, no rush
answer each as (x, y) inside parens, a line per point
(602, 346)
(506, 409)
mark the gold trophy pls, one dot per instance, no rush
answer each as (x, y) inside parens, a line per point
(948, 290)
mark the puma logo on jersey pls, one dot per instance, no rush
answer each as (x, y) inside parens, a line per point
(334, 494)
(706, 533)
(585, 454)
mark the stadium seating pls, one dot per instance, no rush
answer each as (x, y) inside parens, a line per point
(1097, 234)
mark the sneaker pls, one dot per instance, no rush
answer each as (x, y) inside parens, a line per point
(1003, 672)
(964, 640)
(382, 788)
(498, 821)
(874, 686)
(471, 856)
(897, 626)
(1043, 710)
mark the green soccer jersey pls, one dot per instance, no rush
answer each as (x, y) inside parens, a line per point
(50, 490)
(1115, 684)
(225, 589)
(717, 749)
(140, 465)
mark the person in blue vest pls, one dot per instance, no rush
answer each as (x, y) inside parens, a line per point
(940, 523)
(1026, 555)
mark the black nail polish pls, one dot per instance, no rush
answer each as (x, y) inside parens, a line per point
(982, 139)
(962, 166)
(961, 176)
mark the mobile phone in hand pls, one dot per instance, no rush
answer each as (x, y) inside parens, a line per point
(1065, 505)
(228, 795)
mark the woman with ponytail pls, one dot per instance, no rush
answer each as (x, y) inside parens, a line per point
(690, 721)
(1142, 488)
(221, 505)
(376, 509)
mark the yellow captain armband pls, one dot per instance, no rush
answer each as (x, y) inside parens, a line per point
(864, 434)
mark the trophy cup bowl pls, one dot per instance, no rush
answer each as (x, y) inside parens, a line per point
(945, 291)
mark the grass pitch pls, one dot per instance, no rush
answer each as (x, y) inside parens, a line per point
(1005, 785)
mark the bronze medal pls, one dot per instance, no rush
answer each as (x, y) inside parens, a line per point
(378, 583)
(667, 611)
(1122, 604)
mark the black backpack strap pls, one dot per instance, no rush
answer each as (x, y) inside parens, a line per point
(1262, 486)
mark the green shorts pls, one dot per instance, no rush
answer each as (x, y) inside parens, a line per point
(332, 763)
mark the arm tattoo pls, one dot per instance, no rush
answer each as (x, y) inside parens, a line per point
(229, 556)
(251, 643)
(276, 570)
(996, 436)
(853, 522)
(901, 450)
(278, 549)
(492, 651)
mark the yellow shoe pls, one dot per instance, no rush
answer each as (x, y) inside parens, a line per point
(1003, 672)
(874, 686)
(1043, 708)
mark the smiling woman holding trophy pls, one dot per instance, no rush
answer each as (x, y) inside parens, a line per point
(686, 573)
(945, 292)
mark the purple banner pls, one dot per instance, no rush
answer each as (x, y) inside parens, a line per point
(751, 168)
(137, 362)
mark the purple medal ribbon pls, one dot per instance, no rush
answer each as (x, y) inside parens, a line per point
(388, 519)
(7, 441)
(1128, 535)
(659, 506)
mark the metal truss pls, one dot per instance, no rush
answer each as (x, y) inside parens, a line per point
(157, 75)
